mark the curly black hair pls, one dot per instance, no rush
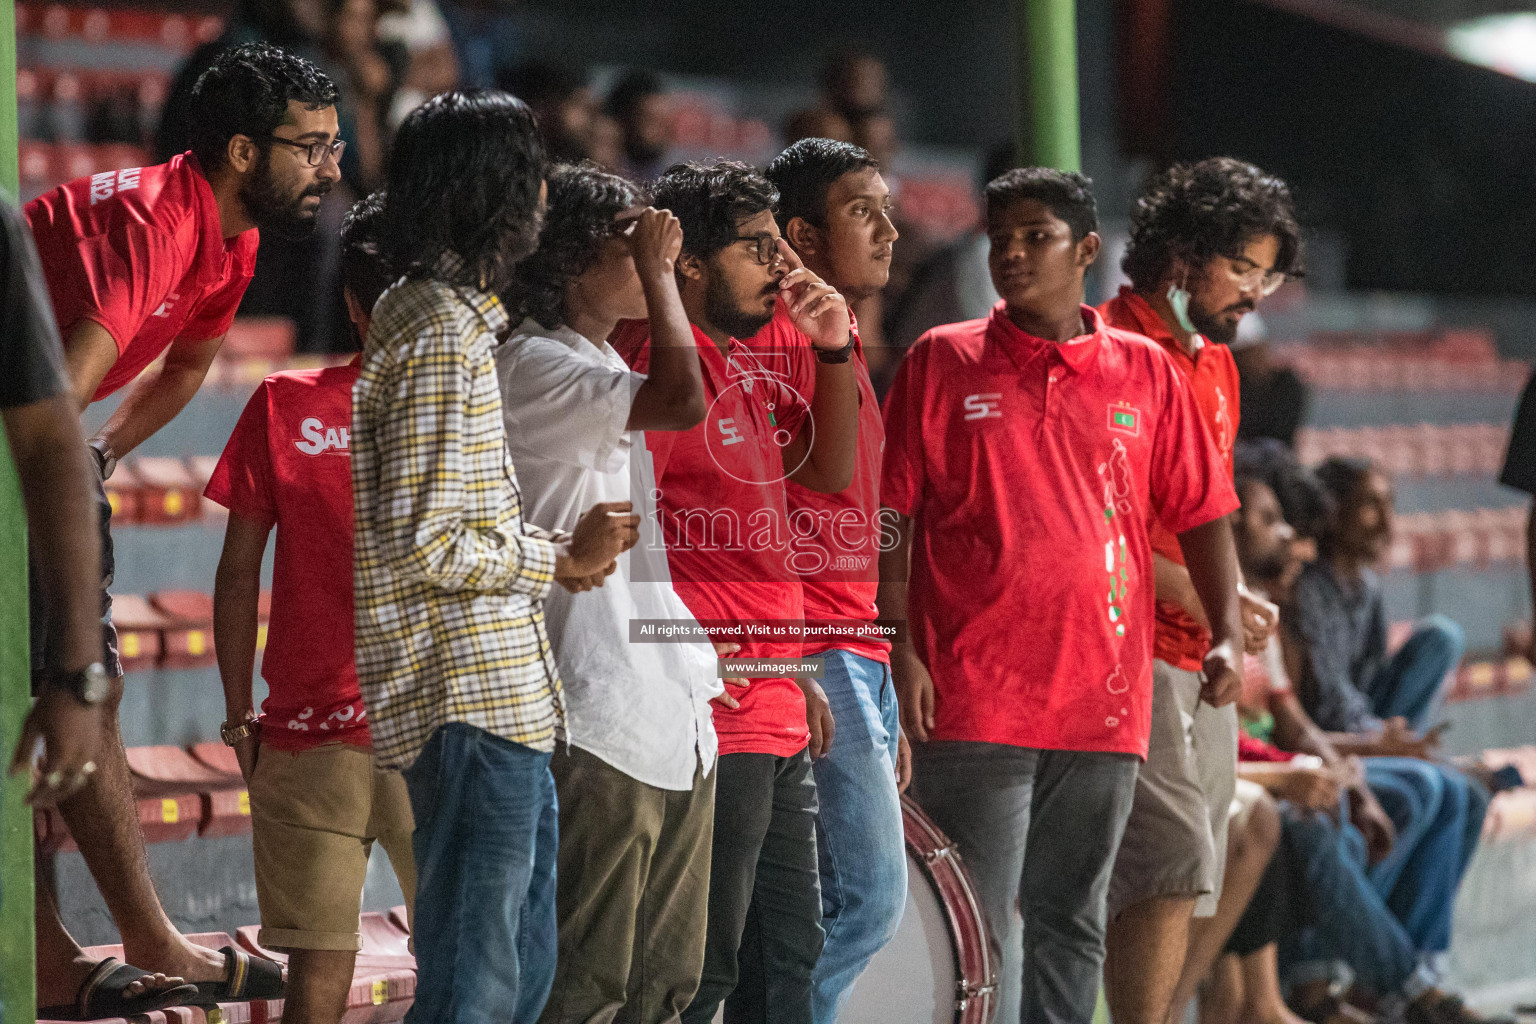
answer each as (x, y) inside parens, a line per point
(578, 219)
(804, 174)
(1215, 207)
(711, 201)
(364, 271)
(246, 92)
(1066, 194)
(464, 179)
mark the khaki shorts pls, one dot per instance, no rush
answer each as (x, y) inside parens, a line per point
(1175, 842)
(314, 818)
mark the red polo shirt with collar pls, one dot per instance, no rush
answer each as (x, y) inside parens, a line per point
(1212, 374)
(1031, 470)
(140, 251)
(722, 512)
(840, 532)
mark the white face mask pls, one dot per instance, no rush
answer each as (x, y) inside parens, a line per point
(1178, 301)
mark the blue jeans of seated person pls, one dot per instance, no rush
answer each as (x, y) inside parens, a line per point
(859, 838)
(1410, 683)
(485, 844)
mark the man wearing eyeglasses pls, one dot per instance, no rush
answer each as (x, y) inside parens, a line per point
(722, 510)
(142, 262)
(1209, 241)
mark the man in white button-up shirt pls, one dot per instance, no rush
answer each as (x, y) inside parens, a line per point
(636, 783)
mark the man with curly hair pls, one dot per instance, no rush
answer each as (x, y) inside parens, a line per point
(637, 782)
(732, 548)
(1209, 241)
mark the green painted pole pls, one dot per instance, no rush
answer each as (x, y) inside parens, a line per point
(18, 994)
(1048, 132)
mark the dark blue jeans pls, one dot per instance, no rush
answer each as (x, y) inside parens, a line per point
(1410, 683)
(485, 844)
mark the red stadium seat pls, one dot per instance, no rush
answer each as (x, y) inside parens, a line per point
(167, 493)
(189, 632)
(139, 629)
(123, 494)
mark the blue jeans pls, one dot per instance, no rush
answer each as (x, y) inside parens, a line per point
(485, 843)
(859, 837)
(1410, 683)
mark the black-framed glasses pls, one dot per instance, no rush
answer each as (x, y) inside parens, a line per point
(767, 247)
(314, 152)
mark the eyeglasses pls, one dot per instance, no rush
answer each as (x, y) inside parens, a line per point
(314, 152)
(767, 248)
(1257, 279)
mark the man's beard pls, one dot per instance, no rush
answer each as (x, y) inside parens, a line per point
(1213, 328)
(274, 212)
(722, 311)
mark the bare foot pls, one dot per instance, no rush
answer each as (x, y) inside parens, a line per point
(186, 959)
(61, 986)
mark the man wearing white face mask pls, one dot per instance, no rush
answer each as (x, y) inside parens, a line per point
(1209, 241)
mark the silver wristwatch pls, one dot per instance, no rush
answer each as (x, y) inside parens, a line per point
(106, 458)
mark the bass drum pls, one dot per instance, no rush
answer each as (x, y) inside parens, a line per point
(940, 967)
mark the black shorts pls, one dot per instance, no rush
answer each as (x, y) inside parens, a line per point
(44, 633)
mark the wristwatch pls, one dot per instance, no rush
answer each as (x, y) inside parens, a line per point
(232, 734)
(840, 355)
(88, 685)
(106, 458)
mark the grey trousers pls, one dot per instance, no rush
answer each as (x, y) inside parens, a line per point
(1038, 830)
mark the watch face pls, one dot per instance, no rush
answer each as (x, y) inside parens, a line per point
(93, 684)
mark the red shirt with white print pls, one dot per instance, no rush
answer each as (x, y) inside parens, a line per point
(722, 512)
(841, 531)
(1031, 470)
(140, 252)
(1212, 375)
(288, 465)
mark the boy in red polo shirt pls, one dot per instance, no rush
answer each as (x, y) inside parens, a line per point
(142, 262)
(722, 512)
(1209, 241)
(834, 207)
(1025, 455)
(317, 802)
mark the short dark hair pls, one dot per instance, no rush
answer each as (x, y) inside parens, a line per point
(246, 91)
(364, 271)
(627, 93)
(1067, 194)
(1198, 211)
(583, 200)
(710, 200)
(464, 179)
(805, 172)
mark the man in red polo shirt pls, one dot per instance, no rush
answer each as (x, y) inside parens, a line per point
(153, 260)
(723, 514)
(1209, 241)
(1025, 455)
(835, 211)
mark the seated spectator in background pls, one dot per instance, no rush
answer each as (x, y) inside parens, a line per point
(370, 73)
(153, 261)
(1519, 472)
(449, 579)
(69, 716)
(638, 102)
(816, 123)
(723, 513)
(835, 209)
(1347, 682)
(318, 802)
(853, 83)
(487, 35)
(1378, 891)
(1029, 728)
(637, 782)
(417, 26)
(951, 285)
(561, 100)
(1275, 398)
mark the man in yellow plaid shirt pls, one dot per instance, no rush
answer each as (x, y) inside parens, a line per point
(452, 655)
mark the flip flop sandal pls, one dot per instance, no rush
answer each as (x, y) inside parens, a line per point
(246, 977)
(101, 995)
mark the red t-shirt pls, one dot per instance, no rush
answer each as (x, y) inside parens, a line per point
(1031, 470)
(723, 517)
(140, 252)
(287, 464)
(1212, 376)
(841, 530)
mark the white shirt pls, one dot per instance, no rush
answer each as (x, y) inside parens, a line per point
(641, 707)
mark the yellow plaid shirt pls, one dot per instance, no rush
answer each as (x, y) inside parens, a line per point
(449, 580)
